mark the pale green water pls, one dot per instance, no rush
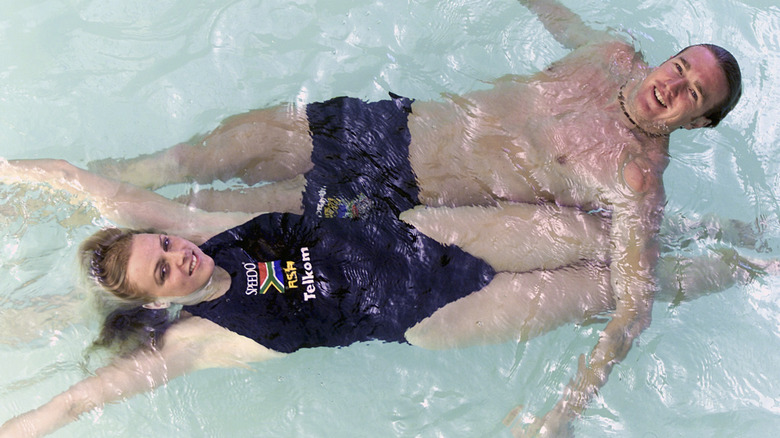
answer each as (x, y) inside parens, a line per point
(90, 79)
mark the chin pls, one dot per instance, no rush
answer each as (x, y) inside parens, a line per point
(207, 267)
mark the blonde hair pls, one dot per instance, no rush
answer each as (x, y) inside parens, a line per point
(104, 258)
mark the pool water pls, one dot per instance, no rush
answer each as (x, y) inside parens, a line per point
(88, 79)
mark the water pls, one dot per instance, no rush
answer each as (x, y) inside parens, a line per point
(85, 79)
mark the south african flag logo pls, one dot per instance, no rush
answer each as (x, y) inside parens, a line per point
(270, 276)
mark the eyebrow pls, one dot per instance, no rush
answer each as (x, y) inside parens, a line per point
(696, 84)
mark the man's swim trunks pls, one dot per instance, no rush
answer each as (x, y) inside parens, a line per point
(361, 159)
(302, 281)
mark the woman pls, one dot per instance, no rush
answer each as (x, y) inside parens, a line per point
(159, 270)
(370, 278)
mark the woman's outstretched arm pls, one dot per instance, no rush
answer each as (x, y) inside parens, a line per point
(122, 203)
(191, 344)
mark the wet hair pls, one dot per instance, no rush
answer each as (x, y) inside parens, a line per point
(730, 68)
(127, 329)
(104, 258)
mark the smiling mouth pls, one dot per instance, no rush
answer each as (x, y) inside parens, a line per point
(193, 263)
(658, 97)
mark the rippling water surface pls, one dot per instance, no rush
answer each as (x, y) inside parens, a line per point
(88, 79)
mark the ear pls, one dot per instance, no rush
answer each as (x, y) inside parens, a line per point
(698, 122)
(157, 305)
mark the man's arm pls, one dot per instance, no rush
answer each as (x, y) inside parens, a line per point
(634, 253)
(122, 203)
(564, 25)
(189, 345)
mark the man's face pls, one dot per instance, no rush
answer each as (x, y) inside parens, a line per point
(679, 92)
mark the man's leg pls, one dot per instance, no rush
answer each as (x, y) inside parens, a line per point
(679, 231)
(682, 278)
(263, 145)
(283, 196)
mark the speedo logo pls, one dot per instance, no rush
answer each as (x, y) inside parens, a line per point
(263, 277)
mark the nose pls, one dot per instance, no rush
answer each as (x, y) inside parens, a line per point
(677, 85)
(177, 257)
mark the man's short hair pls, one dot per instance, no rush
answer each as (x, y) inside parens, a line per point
(728, 64)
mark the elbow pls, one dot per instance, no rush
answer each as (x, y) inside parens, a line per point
(639, 323)
(620, 338)
(631, 335)
(76, 401)
(639, 319)
(54, 168)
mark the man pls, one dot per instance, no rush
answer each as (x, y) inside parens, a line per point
(591, 131)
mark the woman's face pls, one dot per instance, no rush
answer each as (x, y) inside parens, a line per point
(167, 266)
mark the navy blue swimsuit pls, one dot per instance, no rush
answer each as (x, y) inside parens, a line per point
(348, 270)
(361, 159)
(303, 282)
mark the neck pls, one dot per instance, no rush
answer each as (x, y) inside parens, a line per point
(221, 281)
(218, 284)
(622, 101)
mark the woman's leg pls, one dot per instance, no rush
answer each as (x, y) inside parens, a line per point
(517, 237)
(517, 307)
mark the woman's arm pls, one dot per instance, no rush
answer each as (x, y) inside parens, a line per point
(564, 25)
(190, 344)
(122, 203)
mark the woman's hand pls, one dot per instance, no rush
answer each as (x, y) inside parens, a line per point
(32, 171)
(39, 422)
